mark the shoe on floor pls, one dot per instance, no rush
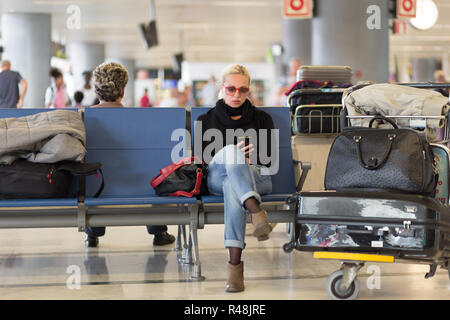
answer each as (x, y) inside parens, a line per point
(235, 281)
(91, 242)
(162, 239)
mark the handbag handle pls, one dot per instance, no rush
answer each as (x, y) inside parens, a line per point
(380, 117)
(166, 171)
(196, 189)
(373, 162)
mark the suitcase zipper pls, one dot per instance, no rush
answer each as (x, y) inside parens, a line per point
(50, 175)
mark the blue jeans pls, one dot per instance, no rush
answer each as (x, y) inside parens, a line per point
(231, 176)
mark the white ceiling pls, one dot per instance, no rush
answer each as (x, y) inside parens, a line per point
(205, 30)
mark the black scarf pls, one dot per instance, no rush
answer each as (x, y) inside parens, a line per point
(224, 112)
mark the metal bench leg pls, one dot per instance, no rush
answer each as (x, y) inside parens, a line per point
(186, 255)
(178, 242)
(197, 270)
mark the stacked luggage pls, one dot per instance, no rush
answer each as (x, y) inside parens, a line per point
(386, 185)
(337, 74)
(315, 99)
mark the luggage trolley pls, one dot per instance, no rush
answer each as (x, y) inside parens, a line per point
(315, 111)
(357, 227)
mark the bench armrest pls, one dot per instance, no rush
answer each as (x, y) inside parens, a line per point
(305, 166)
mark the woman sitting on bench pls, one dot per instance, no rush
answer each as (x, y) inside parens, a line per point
(110, 80)
(231, 171)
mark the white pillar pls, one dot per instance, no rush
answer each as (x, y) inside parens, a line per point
(84, 56)
(26, 38)
(353, 33)
(297, 40)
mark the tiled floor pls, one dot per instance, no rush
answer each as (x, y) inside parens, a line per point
(50, 263)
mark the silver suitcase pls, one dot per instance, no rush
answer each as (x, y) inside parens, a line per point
(336, 74)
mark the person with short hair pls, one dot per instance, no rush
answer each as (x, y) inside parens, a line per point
(78, 96)
(209, 92)
(56, 94)
(10, 96)
(232, 171)
(110, 80)
(90, 98)
(439, 77)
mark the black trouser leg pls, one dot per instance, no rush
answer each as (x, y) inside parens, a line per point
(95, 232)
(156, 229)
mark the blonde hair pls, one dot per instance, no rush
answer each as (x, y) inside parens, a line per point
(235, 69)
(109, 81)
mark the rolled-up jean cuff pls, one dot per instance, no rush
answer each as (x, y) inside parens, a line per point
(249, 195)
(234, 244)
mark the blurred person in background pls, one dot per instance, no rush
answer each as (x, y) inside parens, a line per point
(287, 82)
(439, 77)
(10, 97)
(90, 98)
(78, 97)
(145, 100)
(210, 93)
(56, 94)
(182, 99)
(190, 96)
(172, 101)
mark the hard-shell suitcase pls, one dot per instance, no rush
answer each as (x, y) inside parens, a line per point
(316, 119)
(336, 74)
(406, 226)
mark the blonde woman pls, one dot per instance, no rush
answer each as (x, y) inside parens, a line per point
(110, 80)
(234, 171)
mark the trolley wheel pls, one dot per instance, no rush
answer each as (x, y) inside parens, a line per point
(335, 291)
(288, 247)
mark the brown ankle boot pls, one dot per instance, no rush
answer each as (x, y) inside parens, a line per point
(235, 282)
(261, 225)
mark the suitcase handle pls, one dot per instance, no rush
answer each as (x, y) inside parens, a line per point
(373, 163)
(380, 117)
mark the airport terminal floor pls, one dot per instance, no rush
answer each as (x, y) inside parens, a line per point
(40, 264)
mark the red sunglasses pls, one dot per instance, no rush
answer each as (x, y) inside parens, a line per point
(231, 90)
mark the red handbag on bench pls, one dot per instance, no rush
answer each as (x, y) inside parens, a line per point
(186, 178)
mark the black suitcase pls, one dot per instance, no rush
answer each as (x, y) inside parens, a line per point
(301, 97)
(319, 119)
(402, 225)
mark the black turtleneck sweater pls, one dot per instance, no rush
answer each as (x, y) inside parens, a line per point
(219, 118)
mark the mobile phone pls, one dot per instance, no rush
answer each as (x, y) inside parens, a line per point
(246, 140)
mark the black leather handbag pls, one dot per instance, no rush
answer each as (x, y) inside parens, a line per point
(388, 159)
(186, 178)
